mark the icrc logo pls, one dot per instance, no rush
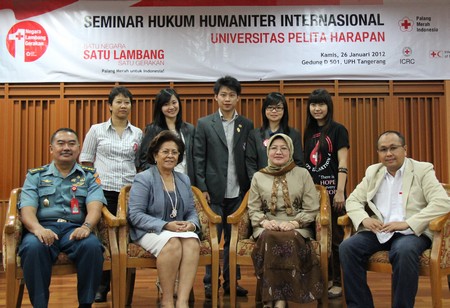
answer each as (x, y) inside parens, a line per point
(27, 41)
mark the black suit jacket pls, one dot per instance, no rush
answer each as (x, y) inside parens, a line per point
(211, 155)
(151, 131)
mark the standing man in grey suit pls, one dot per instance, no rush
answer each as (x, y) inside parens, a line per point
(219, 157)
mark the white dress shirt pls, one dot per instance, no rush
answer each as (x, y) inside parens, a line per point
(389, 201)
(113, 155)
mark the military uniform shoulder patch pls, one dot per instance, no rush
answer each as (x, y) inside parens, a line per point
(38, 169)
(88, 169)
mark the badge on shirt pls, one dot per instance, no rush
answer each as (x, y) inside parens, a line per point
(74, 205)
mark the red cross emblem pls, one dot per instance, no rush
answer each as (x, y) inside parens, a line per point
(407, 51)
(406, 24)
(436, 54)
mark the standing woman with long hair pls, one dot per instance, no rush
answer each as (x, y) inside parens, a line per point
(275, 118)
(326, 146)
(167, 115)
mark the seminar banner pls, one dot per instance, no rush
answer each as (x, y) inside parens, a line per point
(129, 41)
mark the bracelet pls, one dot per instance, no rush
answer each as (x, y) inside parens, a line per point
(195, 227)
(343, 170)
(262, 222)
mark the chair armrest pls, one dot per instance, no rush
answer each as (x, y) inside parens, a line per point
(212, 216)
(10, 224)
(122, 205)
(324, 205)
(13, 214)
(344, 220)
(110, 219)
(347, 224)
(438, 223)
(235, 217)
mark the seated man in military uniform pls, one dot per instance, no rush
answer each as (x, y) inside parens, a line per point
(60, 205)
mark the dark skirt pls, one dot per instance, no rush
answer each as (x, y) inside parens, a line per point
(286, 267)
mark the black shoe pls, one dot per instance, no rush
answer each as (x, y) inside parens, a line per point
(208, 291)
(100, 296)
(240, 291)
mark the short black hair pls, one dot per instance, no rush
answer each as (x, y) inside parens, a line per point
(119, 90)
(63, 129)
(229, 82)
(164, 136)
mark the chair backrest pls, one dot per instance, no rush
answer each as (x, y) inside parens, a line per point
(202, 217)
(13, 225)
(101, 231)
(245, 226)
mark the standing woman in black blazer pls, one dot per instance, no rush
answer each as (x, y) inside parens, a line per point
(275, 117)
(167, 115)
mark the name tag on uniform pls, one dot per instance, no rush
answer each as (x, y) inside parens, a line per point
(74, 205)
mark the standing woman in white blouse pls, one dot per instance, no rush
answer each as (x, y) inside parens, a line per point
(111, 148)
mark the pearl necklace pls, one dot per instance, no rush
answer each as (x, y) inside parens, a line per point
(174, 212)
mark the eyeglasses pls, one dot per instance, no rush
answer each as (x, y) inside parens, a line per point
(274, 108)
(276, 149)
(391, 149)
(167, 152)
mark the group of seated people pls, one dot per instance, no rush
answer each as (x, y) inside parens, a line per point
(391, 208)
(61, 204)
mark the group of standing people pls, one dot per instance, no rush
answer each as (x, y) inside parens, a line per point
(224, 156)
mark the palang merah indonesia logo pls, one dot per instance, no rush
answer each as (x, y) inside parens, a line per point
(27, 41)
(406, 24)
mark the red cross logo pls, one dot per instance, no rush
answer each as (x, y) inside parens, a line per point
(436, 54)
(19, 36)
(406, 24)
(407, 51)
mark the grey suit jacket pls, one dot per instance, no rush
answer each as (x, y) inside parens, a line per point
(151, 130)
(211, 155)
(424, 198)
(146, 210)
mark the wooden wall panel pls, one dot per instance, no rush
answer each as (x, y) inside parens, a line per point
(31, 112)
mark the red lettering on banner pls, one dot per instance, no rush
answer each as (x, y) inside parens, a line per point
(305, 37)
(138, 54)
(342, 37)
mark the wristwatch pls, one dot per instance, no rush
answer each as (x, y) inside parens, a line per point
(88, 225)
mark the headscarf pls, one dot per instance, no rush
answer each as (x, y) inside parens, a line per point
(279, 174)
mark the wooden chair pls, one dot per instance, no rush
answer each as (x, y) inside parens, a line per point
(434, 262)
(133, 256)
(12, 237)
(241, 244)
